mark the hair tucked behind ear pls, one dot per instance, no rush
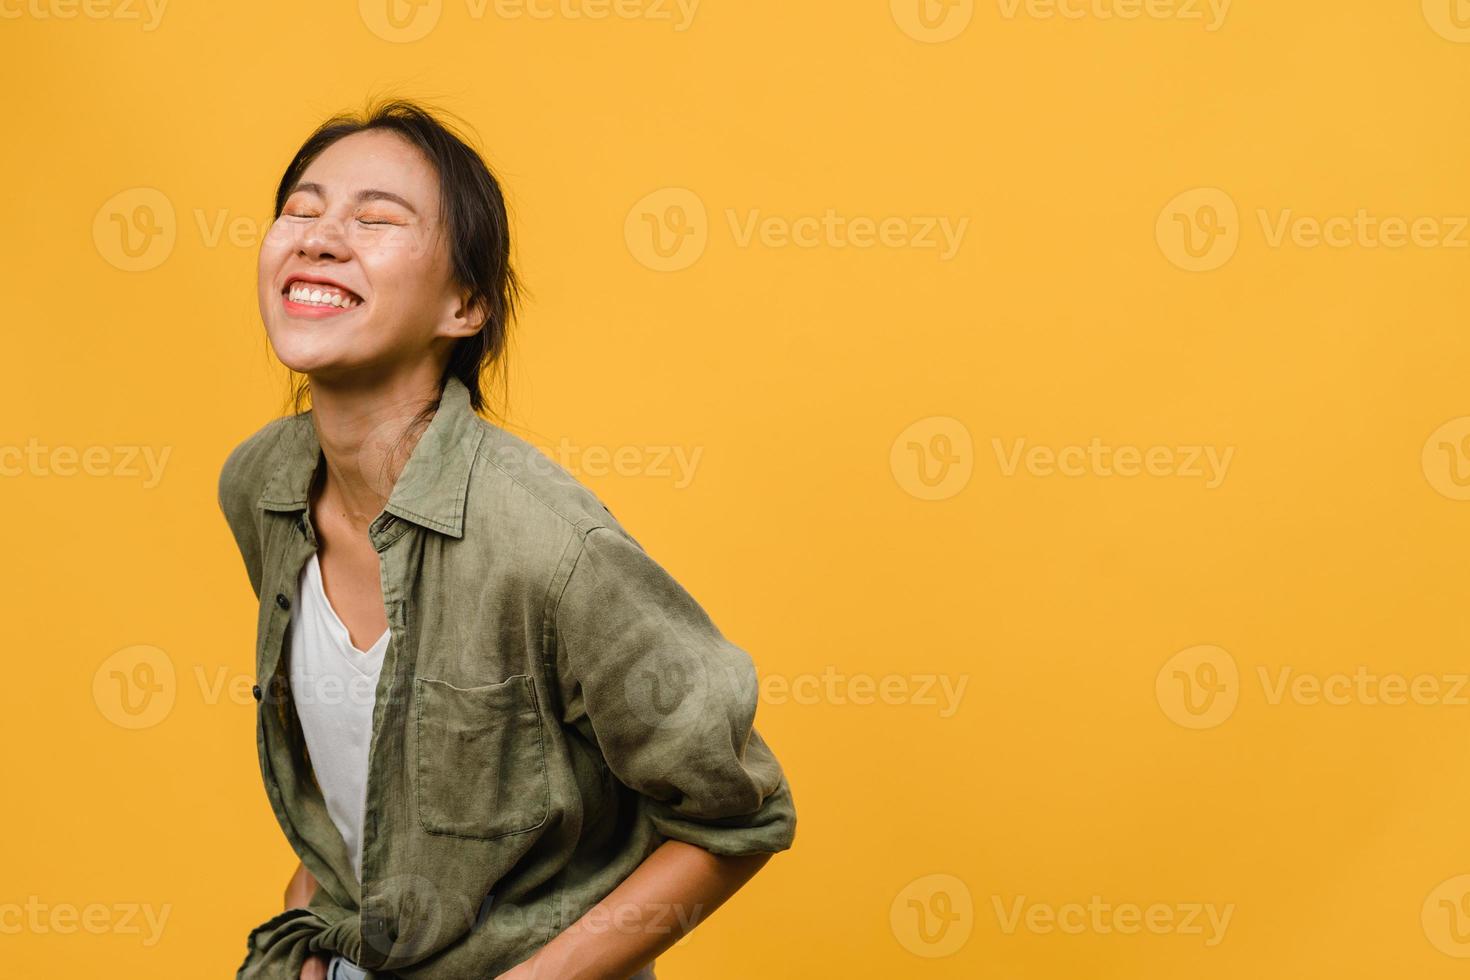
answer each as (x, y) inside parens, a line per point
(476, 224)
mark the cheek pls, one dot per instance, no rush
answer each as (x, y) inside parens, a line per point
(393, 255)
(274, 247)
(398, 278)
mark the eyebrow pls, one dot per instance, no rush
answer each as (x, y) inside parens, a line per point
(363, 195)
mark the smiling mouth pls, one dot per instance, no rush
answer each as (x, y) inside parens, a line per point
(319, 297)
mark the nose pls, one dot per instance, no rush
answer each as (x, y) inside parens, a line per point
(323, 239)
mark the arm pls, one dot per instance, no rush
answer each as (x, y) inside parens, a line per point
(300, 888)
(299, 891)
(673, 890)
(670, 702)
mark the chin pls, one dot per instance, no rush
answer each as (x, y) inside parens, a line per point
(305, 354)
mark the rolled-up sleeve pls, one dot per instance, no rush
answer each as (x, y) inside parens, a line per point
(670, 700)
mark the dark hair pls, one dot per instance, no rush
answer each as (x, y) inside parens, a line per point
(474, 217)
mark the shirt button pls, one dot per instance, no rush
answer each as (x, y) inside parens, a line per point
(255, 690)
(282, 601)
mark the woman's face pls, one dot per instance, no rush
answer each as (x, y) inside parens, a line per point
(361, 228)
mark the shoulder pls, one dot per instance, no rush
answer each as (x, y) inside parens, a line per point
(250, 464)
(516, 479)
(512, 472)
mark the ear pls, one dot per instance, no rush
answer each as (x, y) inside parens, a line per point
(467, 319)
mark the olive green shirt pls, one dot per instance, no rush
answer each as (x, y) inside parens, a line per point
(552, 706)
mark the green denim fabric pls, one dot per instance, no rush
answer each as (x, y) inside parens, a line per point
(552, 706)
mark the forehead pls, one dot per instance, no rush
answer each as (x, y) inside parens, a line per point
(376, 160)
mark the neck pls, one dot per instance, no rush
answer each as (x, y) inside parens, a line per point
(364, 434)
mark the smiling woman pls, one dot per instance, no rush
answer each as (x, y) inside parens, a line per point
(490, 724)
(425, 223)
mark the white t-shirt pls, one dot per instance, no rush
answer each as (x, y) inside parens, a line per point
(333, 685)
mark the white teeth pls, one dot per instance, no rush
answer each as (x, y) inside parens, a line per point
(302, 293)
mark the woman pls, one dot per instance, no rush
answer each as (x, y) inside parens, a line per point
(502, 740)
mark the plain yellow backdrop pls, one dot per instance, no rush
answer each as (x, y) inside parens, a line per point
(1065, 405)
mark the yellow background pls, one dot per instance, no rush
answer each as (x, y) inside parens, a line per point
(824, 387)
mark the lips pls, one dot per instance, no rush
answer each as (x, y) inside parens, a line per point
(318, 294)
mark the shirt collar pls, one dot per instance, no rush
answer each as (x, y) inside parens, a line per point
(432, 486)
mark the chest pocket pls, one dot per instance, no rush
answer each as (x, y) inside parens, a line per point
(480, 759)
